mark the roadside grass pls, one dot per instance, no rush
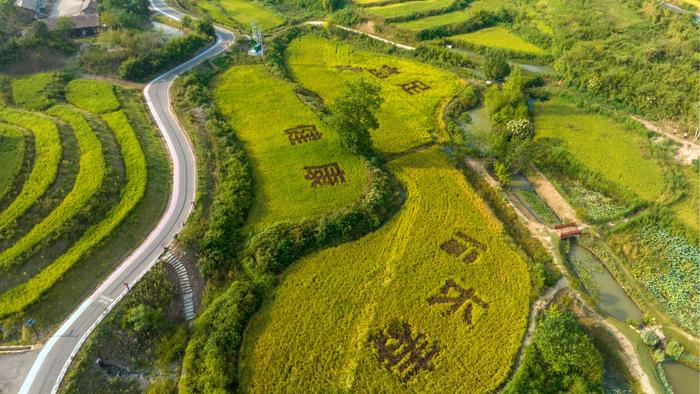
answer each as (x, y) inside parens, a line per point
(260, 118)
(94, 96)
(47, 147)
(498, 37)
(602, 144)
(13, 147)
(20, 297)
(240, 13)
(87, 183)
(455, 16)
(694, 3)
(343, 297)
(407, 8)
(405, 120)
(37, 92)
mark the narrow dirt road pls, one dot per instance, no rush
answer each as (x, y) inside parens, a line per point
(688, 151)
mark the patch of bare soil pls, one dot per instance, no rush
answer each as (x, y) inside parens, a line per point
(689, 149)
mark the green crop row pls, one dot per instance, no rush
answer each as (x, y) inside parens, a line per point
(18, 298)
(94, 96)
(47, 147)
(87, 183)
(12, 151)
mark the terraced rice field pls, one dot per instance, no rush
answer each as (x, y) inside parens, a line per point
(439, 274)
(91, 178)
(240, 13)
(602, 145)
(453, 17)
(87, 183)
(12, 151)
(406, 120)
(47, 148)
(498, 37)
(407, 8)
(263, 122)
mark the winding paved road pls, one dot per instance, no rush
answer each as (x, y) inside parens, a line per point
(57, 353)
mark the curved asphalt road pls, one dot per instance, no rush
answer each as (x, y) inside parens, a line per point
(56, 355)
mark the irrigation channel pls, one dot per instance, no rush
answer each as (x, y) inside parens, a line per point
(609, 296)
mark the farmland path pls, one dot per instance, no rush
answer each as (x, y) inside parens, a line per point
(544, 235)
(372, 36)
(688, 151)
(53, 360)
(553, 198)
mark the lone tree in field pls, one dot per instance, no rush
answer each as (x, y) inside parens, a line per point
(354, 115)
(495, 66)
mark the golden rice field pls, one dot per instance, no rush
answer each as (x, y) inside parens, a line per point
(324, 327)
(407, 8)
(498, 37)
(602, 144)
(260, 119)
(455, 16)
(406, 120)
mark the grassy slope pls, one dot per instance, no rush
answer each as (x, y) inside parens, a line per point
(602, 144)
(407, 8)
(12, 150)
(259, 118)
(405, 120)
(240, 12)
(341, 294)
(498, 37)
(453, 17)
(688, 209)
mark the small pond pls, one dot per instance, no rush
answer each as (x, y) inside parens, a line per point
(683, 379)
(610, 296)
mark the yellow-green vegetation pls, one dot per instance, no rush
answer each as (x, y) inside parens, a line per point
(331, 307)
(619, 14)
(694, 3)
(239, 13)
(455, 16)
(407, 8)
(12, 149)
(688, 209)
(602, 145)
(18, 298)
(47, 151)
(95, 96)
(36, 92)
(406, 120)
(260, 120)
(87, 183)
(498, 37)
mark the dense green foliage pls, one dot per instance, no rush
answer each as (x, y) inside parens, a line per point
(38, 91)
(141, 66)
(495, 66)
(354, 115)
(561, 358)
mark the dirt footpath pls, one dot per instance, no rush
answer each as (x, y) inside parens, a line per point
(551, 196)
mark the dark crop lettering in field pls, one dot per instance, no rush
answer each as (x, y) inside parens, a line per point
(324, 175)
(383, 72)
(401, 351)
(460, 244)
(460, 297)
(303, 133)
(350, 68)
(414, 87)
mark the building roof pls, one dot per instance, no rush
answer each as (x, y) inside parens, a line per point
(79, 21)
(32, 5)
